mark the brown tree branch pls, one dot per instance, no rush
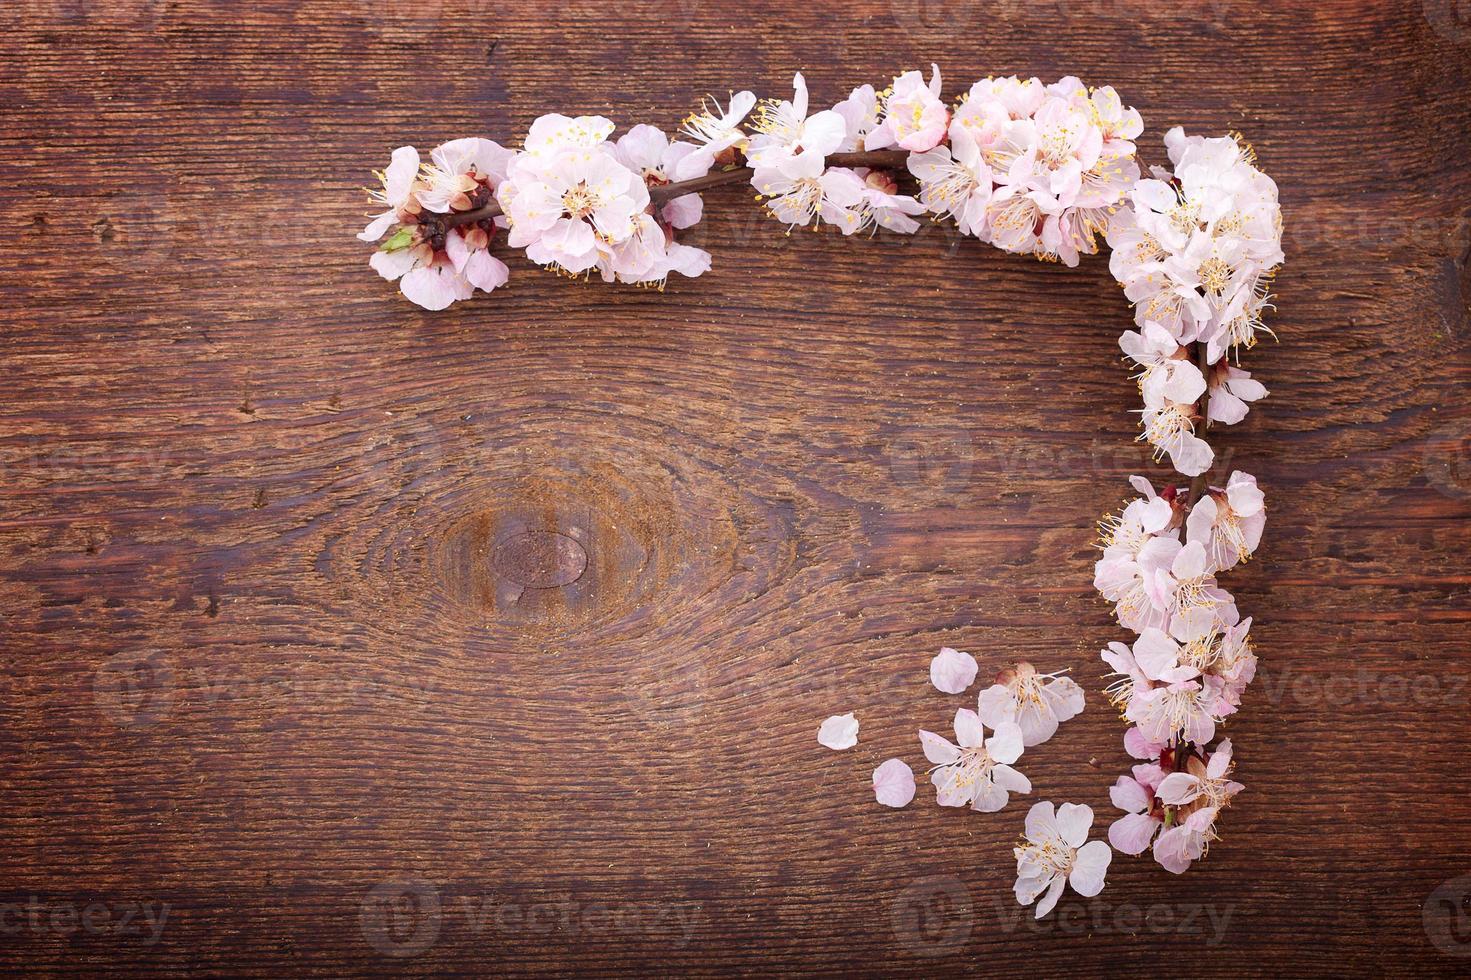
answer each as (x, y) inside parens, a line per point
(872, 159)
(1203, 407)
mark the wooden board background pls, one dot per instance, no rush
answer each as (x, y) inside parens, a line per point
(281, 650)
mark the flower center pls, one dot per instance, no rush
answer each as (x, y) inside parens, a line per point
(975, 766)
(1215, 275)
(954, 186)
(1052, 855)
(1164, 426)
(580, 201)
(806, 197)
(778, 119)
(1115, 532)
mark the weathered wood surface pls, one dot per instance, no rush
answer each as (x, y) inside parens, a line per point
(538, 602)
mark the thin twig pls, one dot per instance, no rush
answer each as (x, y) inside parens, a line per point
(1203, 407)
(873, 159)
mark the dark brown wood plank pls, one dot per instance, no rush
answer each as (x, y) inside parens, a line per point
(244, 477)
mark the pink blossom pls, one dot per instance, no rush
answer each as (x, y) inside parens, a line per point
(651, 254)
(1196, 605)
(1059, 159)
(1211, 786)
(1233, 661)
(396, 193)
(457, 169)
(1176, 848)
(1038, 702)
(860, 112)
(975, 771)
(1228, 522)
(1169, 426)
(893, 783)
(568, 197)
(956, 182)
(914, 116)
(802, 192)
(714, 131)
(1180, 711)
(1195, 249)
(1134, 572)
(1054, 854)
(436, 266)
(785, 133)
(1124, 536)
(1167, 372)
(646, 150)
(1231, 391)
(883, 206)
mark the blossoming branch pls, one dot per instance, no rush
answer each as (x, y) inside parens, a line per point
(1038, 169)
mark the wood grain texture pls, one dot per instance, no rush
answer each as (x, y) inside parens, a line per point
(495, 641)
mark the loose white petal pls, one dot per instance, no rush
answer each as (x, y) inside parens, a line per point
(952, 671)
(839, 732)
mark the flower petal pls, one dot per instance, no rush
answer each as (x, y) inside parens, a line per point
(893, 783)
(952, 671)
(1179, 788)
(1005, 743)
(1089, 866)
(968, 731)
(839, 732)
(1131, 833)
(1049, 901)
(1128, 795)
(995, 705)
(938, 750)
(1073, 821)
(1041, 823)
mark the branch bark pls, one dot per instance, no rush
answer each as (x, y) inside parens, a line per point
(1197, 485)
(872, 159)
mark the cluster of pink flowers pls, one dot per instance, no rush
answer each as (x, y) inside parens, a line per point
(1028, 167)
(1195, 251)
(436, 265)
(1186, 672)
(1033, 168)
(573, 199)
(789, 149)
